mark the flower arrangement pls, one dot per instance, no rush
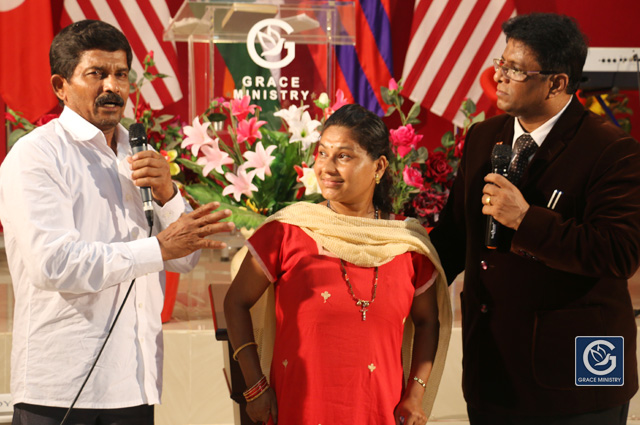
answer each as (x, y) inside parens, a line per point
(422, 179)
(254, 171)
(250, 169)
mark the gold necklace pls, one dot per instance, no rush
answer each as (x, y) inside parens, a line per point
(363, 304)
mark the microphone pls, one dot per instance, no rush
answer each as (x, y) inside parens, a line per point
(138, 142)
(500, 159)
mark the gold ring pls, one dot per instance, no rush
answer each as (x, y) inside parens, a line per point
(487, 200)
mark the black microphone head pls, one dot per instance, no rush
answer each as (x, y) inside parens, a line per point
(500, 156)
(137, 135)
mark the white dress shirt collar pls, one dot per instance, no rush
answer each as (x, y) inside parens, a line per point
(540, 133)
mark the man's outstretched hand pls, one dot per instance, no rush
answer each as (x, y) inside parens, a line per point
(188, 233)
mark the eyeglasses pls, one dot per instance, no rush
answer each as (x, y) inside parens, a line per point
(516, 74)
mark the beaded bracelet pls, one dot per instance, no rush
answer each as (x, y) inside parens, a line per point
(420, 381)
(256, 390)
(242, 347)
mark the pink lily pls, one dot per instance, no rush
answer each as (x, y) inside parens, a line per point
(341, 100)
(261, 159)
(196, 136)
(214, 158)
(240, 108)
(240, 183)
(249, 130)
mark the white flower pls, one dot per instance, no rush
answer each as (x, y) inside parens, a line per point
(305, 131)
(310, 181)
(323, 100)
(292, 115)
(261, 159)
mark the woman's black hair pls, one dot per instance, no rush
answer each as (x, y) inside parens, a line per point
(368, 130)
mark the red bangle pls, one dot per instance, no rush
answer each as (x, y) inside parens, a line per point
(256, 390)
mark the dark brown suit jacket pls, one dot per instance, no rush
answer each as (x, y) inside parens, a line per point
(562, 274)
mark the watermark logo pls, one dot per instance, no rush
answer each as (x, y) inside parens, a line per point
(265, 33)
(599, 361)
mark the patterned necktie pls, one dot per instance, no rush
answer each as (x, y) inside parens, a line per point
(525, 147)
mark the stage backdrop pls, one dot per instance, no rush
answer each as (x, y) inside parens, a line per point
(438, 46)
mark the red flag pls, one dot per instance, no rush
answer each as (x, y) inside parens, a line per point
(142, 22)
(452, 42)
(26, 32)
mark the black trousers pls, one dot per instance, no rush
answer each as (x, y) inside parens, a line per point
(31, 414)
(614, 416)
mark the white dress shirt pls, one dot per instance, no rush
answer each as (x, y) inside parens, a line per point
(75, 236)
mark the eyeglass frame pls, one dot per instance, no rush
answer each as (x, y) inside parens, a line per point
(499, 64)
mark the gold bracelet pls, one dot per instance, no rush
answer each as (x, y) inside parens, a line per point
(242, 347)
(420, 381)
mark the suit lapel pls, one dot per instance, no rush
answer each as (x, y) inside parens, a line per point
(555, 142)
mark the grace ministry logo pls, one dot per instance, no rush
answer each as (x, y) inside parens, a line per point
(265, 32)
(599, 361)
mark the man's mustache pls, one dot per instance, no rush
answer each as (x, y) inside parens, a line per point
(110, 98)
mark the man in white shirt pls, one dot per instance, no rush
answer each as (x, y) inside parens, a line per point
(76, 236)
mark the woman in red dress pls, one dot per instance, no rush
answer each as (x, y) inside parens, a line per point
(345, 277)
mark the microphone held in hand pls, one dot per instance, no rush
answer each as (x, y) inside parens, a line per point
(500, 159)
(138, 142)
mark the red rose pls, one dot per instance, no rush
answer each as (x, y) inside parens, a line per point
(429, 203)
(404, 139)
(438, 168)
(412, 177)
(459, 145)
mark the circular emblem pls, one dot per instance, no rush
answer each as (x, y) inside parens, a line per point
(597, 356)
(272, 43)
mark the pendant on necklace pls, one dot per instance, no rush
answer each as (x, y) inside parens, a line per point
(364, 306)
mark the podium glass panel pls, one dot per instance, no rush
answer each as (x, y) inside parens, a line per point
(278, 53)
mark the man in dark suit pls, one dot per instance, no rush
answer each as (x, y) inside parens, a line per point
(568, 242)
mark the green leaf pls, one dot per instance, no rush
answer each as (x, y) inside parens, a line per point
(390, 111)
(468, 107)
(386, 95)
(241, 216)
(414, 112)
(478, 118)
(190, 165)
(15, 135)
(149, 76)
(447, 139)
(133, 76)
(423, 154)
(162, 75)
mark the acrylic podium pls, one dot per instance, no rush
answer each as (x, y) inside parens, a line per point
(280, 53)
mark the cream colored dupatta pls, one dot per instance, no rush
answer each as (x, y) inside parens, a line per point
(367, 243)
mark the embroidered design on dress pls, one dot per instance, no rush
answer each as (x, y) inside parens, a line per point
(372, 367)
(285, 362)
(325, 295)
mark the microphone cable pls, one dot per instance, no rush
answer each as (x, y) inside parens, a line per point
(115, 320)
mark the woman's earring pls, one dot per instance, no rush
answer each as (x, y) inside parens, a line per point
(377, 179)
